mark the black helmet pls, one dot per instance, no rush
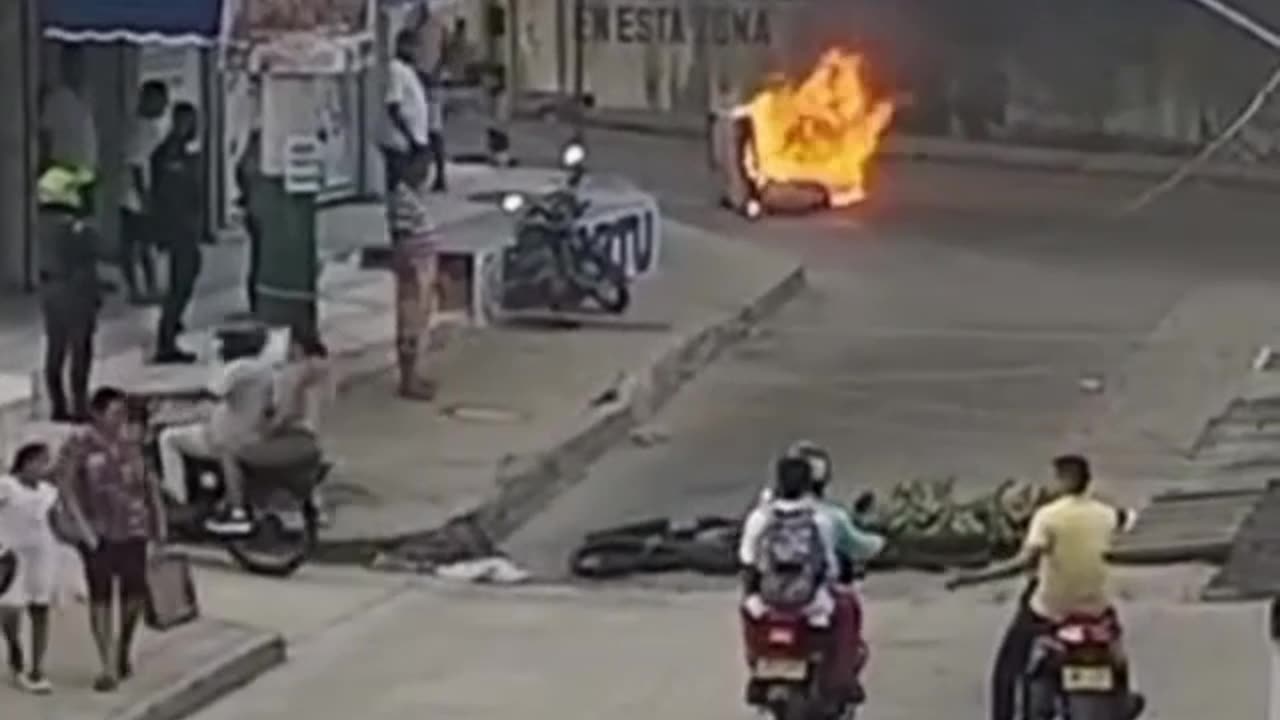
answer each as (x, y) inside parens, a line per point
(793, 478)
(818, 458)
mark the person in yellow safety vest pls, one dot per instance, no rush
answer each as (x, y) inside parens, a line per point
(69, 288)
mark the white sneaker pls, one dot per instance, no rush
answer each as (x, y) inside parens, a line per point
(234, 521)
(35, 686)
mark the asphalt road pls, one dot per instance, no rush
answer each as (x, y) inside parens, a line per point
(947, 330)
(949, 326)
(365, 647)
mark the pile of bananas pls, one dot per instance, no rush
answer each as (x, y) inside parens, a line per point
(927, 525)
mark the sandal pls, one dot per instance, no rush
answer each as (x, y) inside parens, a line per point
(105, 684)
(419, 390)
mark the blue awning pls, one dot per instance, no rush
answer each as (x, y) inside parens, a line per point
(168, 22)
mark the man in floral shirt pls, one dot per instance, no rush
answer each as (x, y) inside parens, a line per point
(116, 510)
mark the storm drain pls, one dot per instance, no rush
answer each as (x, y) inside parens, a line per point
(1187, 527)
(1252, 568)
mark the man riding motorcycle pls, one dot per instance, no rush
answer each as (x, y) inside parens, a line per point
(853, 548)
(828, 606)
(854, 545)
(1066, 543)
(808, 589)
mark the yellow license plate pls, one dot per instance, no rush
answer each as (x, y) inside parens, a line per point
(1087, 679)
(779, 669)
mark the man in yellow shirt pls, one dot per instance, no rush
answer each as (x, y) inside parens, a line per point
(1067, 544)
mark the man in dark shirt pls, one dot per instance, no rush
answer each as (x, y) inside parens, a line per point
(70, 291)
(177, 199)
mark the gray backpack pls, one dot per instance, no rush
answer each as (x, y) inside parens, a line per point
(792, 559)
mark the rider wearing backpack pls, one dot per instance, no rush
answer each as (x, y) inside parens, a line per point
(787, 549)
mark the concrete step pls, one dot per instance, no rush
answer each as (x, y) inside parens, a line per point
(1187, 526)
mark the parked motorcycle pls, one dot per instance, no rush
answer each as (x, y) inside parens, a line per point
(282, 504)
(1076, 673)
(788, 669)
(554, 266)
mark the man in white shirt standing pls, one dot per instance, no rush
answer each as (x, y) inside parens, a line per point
(408, 117)
(67, 129)
(137, 236)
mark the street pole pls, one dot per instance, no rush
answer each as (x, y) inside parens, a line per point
(1273, 672)
(579, 74)
(287, 189)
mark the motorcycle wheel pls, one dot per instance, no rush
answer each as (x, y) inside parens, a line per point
(796, 707)
(285, 529)
(1039, 700)
(1093, 707)
(604, 281)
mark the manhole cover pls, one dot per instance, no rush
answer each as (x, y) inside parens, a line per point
(484, 414)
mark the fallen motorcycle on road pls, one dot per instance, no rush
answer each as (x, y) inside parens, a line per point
(926, 526)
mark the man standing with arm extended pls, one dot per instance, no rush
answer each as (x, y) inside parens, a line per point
(177, 197)
(408, 118)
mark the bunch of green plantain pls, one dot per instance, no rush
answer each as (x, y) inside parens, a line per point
(926, 516)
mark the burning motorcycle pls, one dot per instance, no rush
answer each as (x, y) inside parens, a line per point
(1077, 672)
(553, 266)
(788, 673)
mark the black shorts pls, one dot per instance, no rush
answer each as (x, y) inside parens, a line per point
(119, 561)
(135, 229)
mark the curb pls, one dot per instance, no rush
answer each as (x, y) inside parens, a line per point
(210, 682)
(964, 152)
(528, 485)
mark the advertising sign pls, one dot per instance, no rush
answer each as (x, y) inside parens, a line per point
(299, 37)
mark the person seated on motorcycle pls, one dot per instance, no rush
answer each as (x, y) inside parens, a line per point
(854, 546)
(301, 388)
(787, 550)
(1067, 544)
(242, 390)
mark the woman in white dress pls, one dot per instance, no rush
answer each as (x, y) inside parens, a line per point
(27, 502)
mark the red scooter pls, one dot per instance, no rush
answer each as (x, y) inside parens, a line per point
(1077, 672)
(790, 664)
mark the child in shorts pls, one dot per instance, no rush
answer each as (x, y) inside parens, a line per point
(27, 502)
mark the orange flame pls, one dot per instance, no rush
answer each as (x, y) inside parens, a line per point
(824, 129)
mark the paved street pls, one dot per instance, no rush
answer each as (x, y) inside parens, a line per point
(947, 332)
(441, 651)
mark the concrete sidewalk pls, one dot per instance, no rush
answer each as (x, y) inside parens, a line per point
(523, 410)
(177, 672)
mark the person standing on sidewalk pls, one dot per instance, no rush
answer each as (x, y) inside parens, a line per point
(408, 120)
(177, 197)
(414, 263)
(27, 501)
(247, 170)
(68, 133)
(117, 511)
(137, 240)
(70, 291)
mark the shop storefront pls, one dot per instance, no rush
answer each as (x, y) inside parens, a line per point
(124, 43)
